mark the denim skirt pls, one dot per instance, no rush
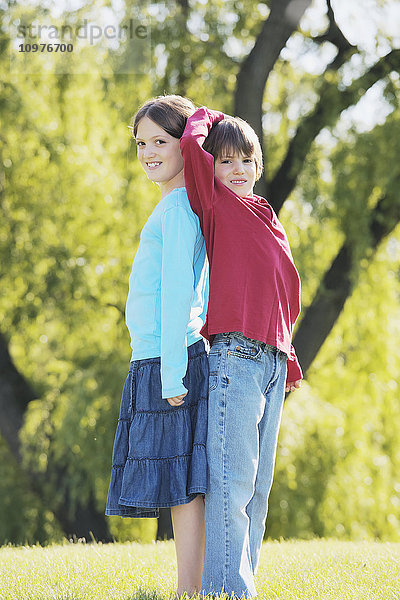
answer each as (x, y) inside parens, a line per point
(159, 455)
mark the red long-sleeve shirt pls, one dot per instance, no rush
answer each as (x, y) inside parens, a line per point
(254, 284)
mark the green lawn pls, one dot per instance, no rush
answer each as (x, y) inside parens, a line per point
(292, 570)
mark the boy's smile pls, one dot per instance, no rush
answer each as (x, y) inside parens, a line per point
(237, 172)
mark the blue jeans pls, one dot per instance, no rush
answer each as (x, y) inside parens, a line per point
(247, 390)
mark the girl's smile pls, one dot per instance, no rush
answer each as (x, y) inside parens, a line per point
(160, 156)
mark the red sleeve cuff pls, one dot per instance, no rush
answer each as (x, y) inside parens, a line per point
(294, 372)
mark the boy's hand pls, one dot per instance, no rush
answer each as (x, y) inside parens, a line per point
(291, 386)
(177, 400)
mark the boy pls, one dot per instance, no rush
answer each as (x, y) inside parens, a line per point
(254, 301)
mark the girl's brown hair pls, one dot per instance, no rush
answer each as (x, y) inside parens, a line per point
(233, 135)
(169, 112)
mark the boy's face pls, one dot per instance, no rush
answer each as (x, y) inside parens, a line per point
(237, 172)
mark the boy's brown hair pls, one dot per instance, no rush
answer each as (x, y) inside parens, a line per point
(233, 135)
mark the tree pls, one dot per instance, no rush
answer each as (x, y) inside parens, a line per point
(332, 98)
(233, 56)
(252, 95)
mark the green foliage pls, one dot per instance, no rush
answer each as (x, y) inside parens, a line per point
(140, 530)
(27, 520)
(366, 170)
(338, 460)
(198, 51)
(73, 203)
(289, 95)
(71, 214)
(339, 456)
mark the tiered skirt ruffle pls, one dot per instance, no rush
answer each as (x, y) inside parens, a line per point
(159, 455)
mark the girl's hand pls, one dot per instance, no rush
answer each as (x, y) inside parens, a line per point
(177, 400)
(291, 386)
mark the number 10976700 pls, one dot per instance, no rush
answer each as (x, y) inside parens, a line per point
(45, 48)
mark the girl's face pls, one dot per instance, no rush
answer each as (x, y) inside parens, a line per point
(160, 156)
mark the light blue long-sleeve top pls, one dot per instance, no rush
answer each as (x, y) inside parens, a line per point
(168, 289)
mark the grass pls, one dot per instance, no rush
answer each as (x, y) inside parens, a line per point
(295, 570)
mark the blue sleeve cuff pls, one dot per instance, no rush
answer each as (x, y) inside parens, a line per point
(171, 392)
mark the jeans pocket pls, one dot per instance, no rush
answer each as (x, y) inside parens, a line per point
(213, 382)
(214, 359)
(247, 352)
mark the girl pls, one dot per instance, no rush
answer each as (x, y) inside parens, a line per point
(159, 456)
(254, 303)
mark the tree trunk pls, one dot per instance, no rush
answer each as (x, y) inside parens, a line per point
(15, 395)
(283, 20)
(164, 525)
